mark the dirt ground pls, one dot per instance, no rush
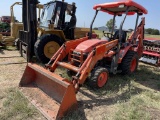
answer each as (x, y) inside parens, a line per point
(124, 97)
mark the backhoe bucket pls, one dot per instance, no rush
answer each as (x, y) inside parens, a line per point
(48, 92)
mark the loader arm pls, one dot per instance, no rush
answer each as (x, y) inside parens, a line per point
(83, 71)
(63, 51)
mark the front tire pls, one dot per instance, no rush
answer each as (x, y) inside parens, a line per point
(129, 63)
(98, 78)
(46, 47)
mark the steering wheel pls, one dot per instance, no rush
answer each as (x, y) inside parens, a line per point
(108, 34)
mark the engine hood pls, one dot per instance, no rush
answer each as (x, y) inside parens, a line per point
(88, 45)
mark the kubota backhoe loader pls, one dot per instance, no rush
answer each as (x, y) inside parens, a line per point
(15, 27)
(56, 25)
(88, 59)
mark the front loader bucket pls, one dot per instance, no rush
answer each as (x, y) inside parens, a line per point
(48, 92)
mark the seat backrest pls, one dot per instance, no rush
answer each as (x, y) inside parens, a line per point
(124, 35)
(116, 35)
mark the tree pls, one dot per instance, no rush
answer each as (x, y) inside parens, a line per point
(109, 24)
(4, 26)
(152, 31)
(149, 30)
(130, 29)
(95, 28)
(155, 32)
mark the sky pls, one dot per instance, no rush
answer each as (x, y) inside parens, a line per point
(85, 13)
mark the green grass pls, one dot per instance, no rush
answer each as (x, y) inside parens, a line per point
(143, 76)
(15, 106)
(135, 97)
(152, 36)
(158, 85)
(8, 48)
(73, 116)
(63, 73)
(132, 110)
(139, 107)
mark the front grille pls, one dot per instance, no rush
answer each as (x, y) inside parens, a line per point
(77, 58)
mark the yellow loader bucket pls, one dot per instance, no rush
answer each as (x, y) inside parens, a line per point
(48, 92)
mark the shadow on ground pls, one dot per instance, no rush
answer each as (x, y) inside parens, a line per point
(118, 89)
(148, 76)
(8, 48)
(108, 95)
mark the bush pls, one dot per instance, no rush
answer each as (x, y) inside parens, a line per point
(152, 31)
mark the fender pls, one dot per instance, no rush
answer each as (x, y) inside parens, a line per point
(59, 33)
(123, 52)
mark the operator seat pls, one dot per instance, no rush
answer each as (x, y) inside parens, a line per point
(124, 35)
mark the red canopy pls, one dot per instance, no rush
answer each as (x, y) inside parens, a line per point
(117, 7)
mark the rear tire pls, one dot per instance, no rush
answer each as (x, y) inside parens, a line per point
(46, 47)
(98, 78)
(129, 63)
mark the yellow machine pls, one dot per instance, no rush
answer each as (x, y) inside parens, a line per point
(56, 25)
(15, 27)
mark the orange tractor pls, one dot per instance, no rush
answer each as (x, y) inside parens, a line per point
(89, 60)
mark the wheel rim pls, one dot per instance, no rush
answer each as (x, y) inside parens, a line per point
(102, 79)
(133, 65)
(50, 48)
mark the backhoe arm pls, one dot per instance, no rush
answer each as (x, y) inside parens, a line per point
(138, 37)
